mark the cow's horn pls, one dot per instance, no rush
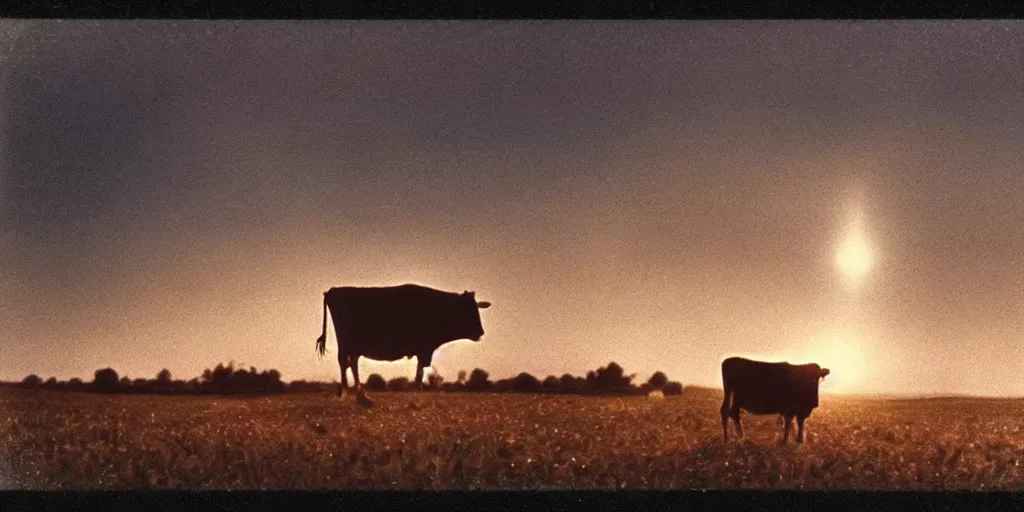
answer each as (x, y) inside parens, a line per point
(483, 305)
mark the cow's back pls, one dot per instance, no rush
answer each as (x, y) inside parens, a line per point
(767, 388)
(387, 320)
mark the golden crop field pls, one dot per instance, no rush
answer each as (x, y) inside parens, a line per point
(416, 440)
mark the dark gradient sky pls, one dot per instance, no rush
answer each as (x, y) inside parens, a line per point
(660, 194)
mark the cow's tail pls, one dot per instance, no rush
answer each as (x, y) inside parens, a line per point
(321, 342)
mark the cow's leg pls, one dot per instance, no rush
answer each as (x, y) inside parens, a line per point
(800, 428)
(418, 381)
(343, 363)
(735, 414)
(725, 410)
(788, 420)
(353, 362)
(422, 361)
(725, 421)
(361, 397)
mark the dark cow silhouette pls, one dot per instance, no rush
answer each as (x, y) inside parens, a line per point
(769, 388)
(390, 323)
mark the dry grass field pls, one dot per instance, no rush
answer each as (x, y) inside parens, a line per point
(61, 440)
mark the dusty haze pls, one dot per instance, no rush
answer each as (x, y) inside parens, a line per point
(659, 194)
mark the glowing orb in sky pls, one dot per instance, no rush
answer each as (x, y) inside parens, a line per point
(855, 256)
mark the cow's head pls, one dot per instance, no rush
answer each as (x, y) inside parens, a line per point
(814, 372)
(814, 375)
(469, 321)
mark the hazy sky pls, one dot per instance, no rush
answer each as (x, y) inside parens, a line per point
(660, 194)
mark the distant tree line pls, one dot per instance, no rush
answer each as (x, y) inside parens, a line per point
(607, 380)
(222, 379)
(226, 379)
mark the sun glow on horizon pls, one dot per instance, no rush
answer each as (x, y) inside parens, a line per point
(843, 356)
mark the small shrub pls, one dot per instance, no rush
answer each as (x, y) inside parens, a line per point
(572, 384)
(503, 385)
(525, 383)
(76, 384)
(399, 384)
(479, 380)
(105, 381)
(658, 380)
(434, 381)
(31, 382)
(164, 377)
(143, 386)
(376, 383)
(673, 389)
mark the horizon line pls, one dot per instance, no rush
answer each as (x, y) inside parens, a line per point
(853, 395)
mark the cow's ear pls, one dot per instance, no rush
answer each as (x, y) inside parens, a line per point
(483, 305)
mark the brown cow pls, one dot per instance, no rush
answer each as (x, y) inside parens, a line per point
(769, 388)
(390, 323)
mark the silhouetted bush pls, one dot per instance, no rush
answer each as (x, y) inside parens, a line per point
(164, 376)
(163, 382)
(50, 383)
(272, 380)
(302, 386)
(105, 381)
(612, 379)
(525, 383)
(503, 386)
(572, 384)
(178, 387)
(479, 380)
(142, 386)
(376, 383)
(218, 380)
(31, 382)
(462, 376)
(658, 380)
(673, 389)
(226, 380)
(434, 381)
(75, 384)
(551, 384)
(399, 384)
(240, 381)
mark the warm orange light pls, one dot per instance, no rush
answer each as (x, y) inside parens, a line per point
(843, 355)
(854, 256)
